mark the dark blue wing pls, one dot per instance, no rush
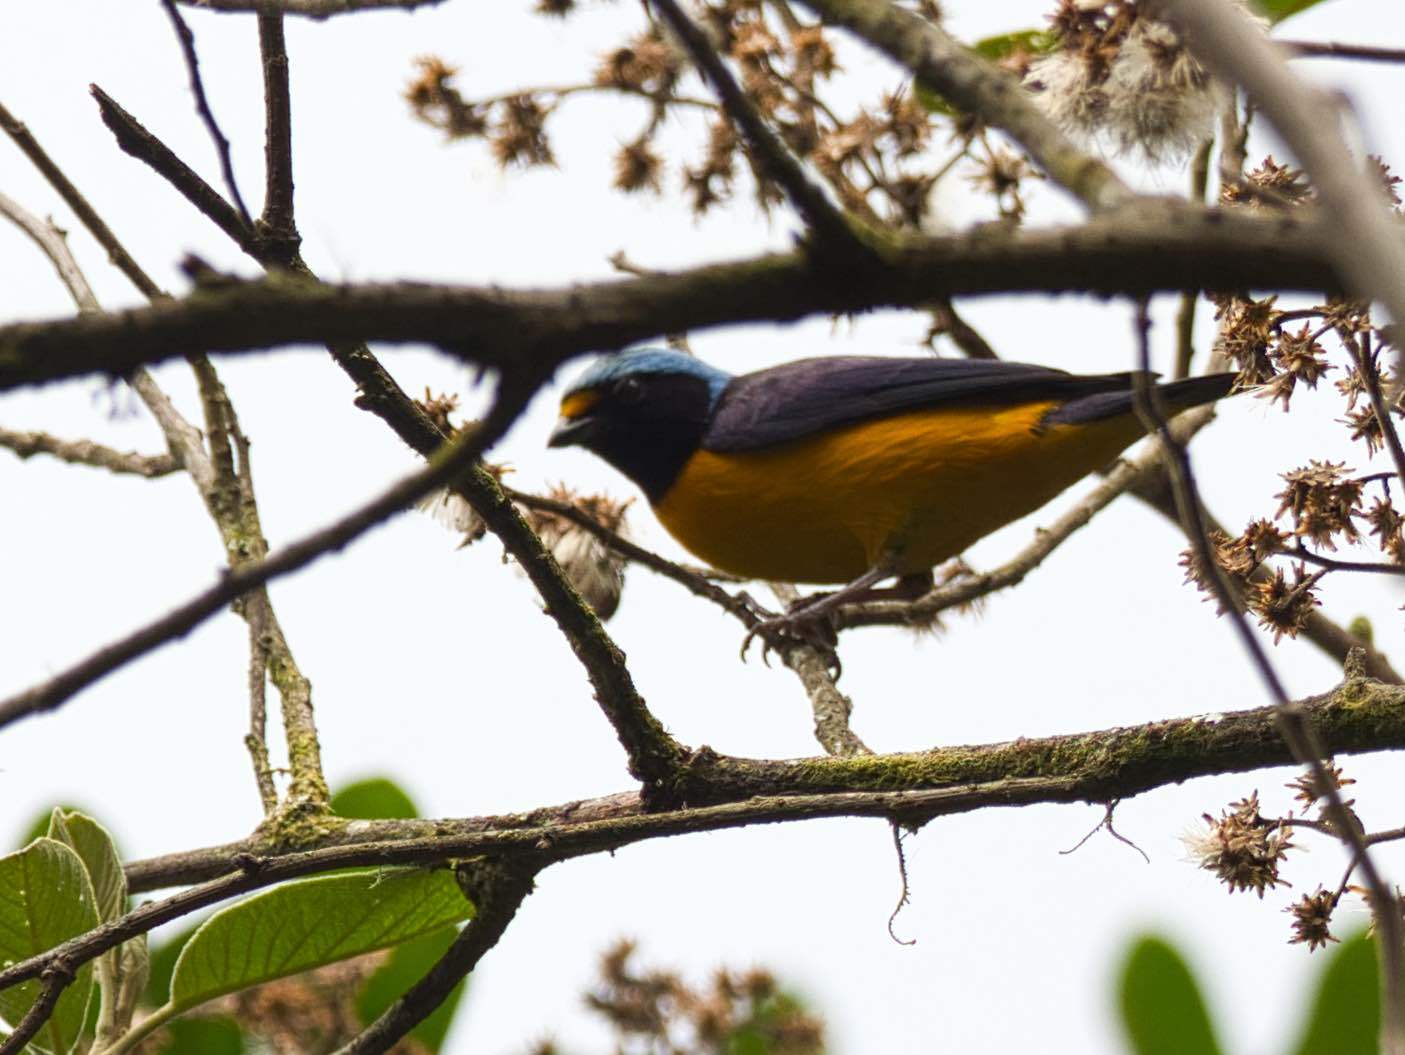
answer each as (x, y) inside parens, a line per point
(809, 396)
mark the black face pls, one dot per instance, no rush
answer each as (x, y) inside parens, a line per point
(646, 425)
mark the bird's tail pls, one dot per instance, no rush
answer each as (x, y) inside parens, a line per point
(1175, 395)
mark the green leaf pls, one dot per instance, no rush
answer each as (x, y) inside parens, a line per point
(38, 828)
(406, 965)
(45, 899)
(93, 844)
(376, 799)
(219, 1035)
(1161, 1004)
(1278, 10)
(1346, 1014)
(1033, 41)
(302, 925)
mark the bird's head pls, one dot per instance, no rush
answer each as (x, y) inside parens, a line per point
(643, 411)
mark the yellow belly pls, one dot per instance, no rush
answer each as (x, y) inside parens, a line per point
(920, 486)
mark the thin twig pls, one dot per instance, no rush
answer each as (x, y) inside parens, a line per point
(833, 234)
(202, 105)
(277, 222)
(238, 581)
(831, 708)
(497, 896)
(905, 890)
(1291, 717)
(56, 978)
(86, 452)
(1185, 314)
(1371, 377)
(120, 258)
(135, 140)
(1329, 49)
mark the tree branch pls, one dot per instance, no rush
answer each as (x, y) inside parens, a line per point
(277, 229)
(202, 106)
(497, 892)
(57, 977)
(833, 237)
(1164, 247)
(1359, 715)
(86, 452)
(979, 88)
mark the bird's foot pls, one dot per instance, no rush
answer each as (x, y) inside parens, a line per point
(797, 627)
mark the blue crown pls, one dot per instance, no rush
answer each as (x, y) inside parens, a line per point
(651, 361)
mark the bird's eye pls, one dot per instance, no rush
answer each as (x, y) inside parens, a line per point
(630, 390)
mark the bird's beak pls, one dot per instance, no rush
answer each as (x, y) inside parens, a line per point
(576, 425)
(572, 432)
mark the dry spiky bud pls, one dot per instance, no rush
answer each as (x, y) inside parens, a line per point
(1307, 790)
(1386, 523)
(1322, 501)
(520, 135)
(1241, 556)
(438, 408)
(637, 167)
(812, 51)
(646, 64)
(1247, 328)
(1300, 359)
(1281, 606)
(1225, 549)
(1241, 847)
(906, 123)
(1270, 184)
(436, 101)
(1312, 916)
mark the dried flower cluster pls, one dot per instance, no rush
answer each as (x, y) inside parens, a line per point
(654, 1012)
(876, 158)
(1244, 849)
(593, 568)
(1118, 73)
(1312, 916)
(1241, 847)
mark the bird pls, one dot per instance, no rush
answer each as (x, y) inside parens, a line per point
(850, 470)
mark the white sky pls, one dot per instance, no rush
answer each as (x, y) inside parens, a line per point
(436, 667)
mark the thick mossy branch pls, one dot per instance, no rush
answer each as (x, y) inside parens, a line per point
(1161, 246)
(1359, 715)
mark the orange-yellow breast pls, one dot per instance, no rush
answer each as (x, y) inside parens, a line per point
(921, 486)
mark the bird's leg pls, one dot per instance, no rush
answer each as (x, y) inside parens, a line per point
(809, 621)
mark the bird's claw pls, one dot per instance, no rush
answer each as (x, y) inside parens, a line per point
(780, 633)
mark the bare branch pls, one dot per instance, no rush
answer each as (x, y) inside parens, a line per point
(119, 256)
(86, 452)
(57, 977)
(1327, 49)
(142, 145)
(202, 105)
(278, 231)
(1164, 247)
(317, 9)
(497, 892)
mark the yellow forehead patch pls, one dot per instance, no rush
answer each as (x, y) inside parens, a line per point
(578, 404)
